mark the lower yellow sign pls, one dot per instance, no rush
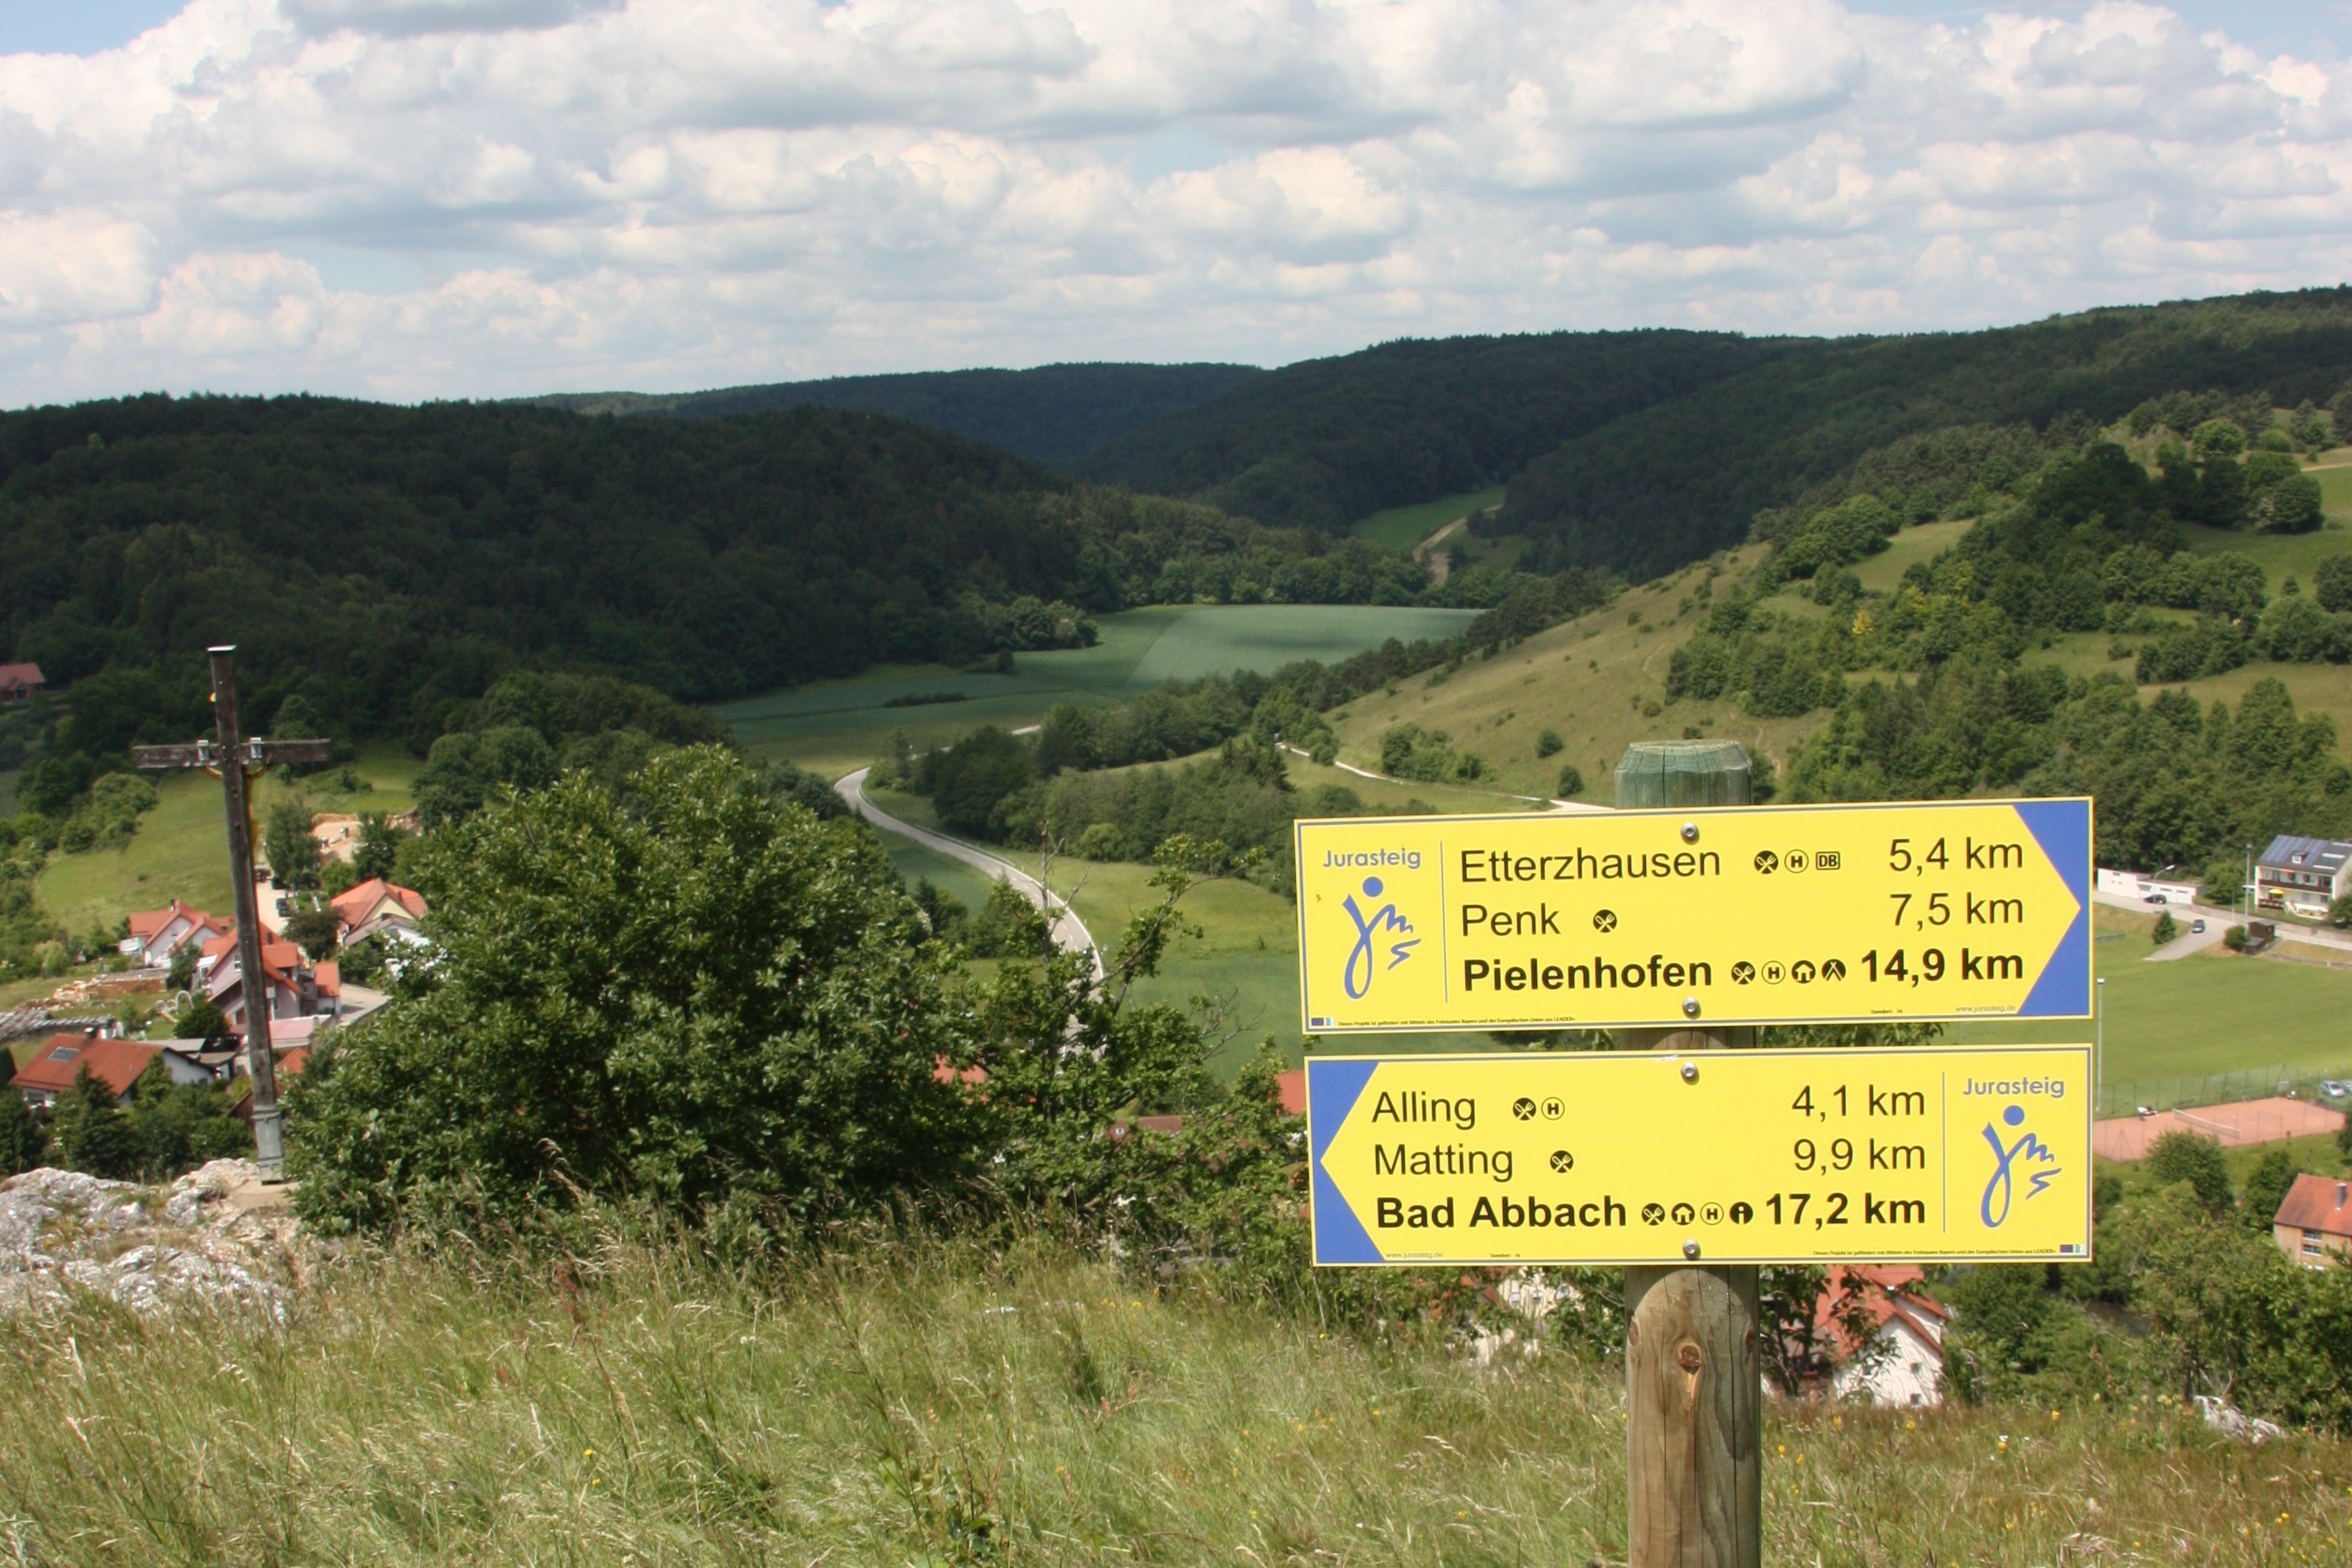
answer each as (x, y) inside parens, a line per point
(1726, 1157)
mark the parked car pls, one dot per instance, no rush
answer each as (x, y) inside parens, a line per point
(2335, 1088)
(2196, 927)
(2156, 898)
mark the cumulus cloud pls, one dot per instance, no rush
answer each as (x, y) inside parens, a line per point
(411, 198)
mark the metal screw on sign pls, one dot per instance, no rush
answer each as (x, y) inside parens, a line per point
(1690, 833)
(1690, 1071)
(1690, 1006)
(1690, 1248)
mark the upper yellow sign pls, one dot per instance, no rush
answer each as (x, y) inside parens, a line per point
(1721, 1157)
(1747, 915)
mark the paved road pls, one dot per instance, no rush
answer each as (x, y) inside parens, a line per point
(1069, 931)
(2217, 925)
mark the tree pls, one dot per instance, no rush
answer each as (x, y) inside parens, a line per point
(2266, 1188)
(2331, 583)
(970, 780)
(316, 931)
(174, 1126)
(2179, 1156)
(2235, 938)
(92, 1133)
(183, 972)
(709, 995)
(290, 846)
(299, 718)
(2166, 928)
(24, 1142)
(1571, 781)
(200, 1019)
(378, 849)
(1008, 925)
(2339, 912)
(1548, 743)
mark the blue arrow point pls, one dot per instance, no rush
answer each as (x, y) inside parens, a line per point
(1332, 1090)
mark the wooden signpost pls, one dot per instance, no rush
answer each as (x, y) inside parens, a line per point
(1685, 923)
(238, 760)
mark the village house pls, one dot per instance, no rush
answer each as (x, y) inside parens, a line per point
(156, 933)
(1883, 1334)
(19, 682)
(117, 1063)
(2302, 876)
(377, 907)
(2313, 1225)
(296, 990)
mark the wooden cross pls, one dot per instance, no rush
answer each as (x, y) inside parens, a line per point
(251, 756)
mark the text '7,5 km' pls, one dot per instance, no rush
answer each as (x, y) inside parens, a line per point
(1748, 915)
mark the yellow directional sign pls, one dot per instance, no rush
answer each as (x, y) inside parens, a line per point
(1724, 1156)
(1749, 914)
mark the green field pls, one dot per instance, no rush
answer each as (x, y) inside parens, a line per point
(182, 851)
(2171, 1025)
(838, 725)
(1401, 527)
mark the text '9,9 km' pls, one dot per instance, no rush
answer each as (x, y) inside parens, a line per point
(1748, 915)
(1736, 1156)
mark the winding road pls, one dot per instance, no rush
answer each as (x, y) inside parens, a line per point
(1069, 932)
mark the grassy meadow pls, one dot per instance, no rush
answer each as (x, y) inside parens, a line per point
(937, 1403)
(835, 726)
(1593, 680)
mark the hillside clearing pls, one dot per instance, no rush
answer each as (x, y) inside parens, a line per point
(1403, 528)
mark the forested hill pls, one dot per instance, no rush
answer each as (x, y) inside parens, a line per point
(389, 562)
(1055, 413)
(1672, 482)
(1325, 441)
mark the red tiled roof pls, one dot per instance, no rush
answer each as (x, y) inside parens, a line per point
(149, 922)
(2318, 1203)
(1293, 1088)
(22, 676)
(352, 907)
(117, 1063)
(1879, 1290)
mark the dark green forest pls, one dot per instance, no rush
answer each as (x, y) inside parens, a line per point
(1055, 413)
(389, 563)
(1325, 441)
(1671, 483)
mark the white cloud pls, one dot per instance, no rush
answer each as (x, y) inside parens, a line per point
(411, 198)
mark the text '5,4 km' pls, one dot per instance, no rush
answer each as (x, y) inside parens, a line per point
(1748, 915)
(1747, 1156)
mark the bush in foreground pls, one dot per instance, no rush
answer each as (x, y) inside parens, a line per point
(706, 995)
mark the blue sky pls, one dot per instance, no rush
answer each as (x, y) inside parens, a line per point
(430, 198)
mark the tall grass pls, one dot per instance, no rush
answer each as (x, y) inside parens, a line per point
(920, 1402)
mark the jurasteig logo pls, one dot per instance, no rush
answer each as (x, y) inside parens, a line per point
(2000, 1191)
(1383, 920)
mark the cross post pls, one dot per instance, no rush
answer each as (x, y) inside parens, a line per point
(238, 760)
